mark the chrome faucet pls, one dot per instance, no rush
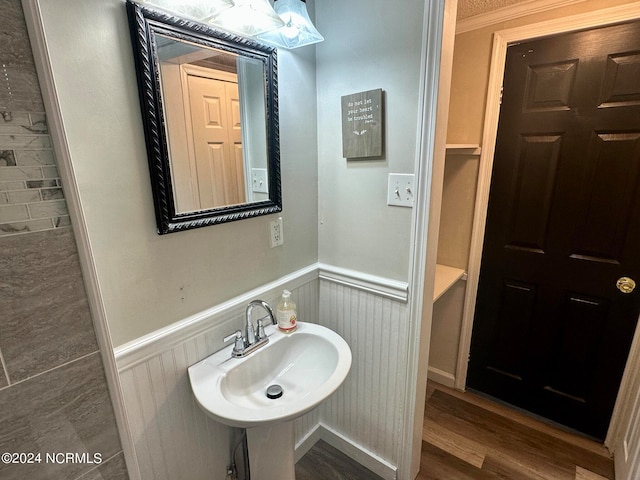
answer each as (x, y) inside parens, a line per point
(253, 338)
(267, 307)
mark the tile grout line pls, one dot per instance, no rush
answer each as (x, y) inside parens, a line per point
(96, 467)
(6, 370)
(86, 355)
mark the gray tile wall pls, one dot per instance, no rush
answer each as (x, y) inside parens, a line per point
(31, 197)
(53, 391)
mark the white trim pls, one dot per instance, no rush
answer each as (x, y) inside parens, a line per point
(625, 402)
(480, 214)
(435, 84)
(510, 12)
(143, 348)
(625, 414)
(440, 376)
(35, 27)
(380, 286)
(307, 442)
(501, 40)
(364, 457)
(597, 18)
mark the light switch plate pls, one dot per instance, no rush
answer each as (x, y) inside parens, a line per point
(401, 190)
(260, 180)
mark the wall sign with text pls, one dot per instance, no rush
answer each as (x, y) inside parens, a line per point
(362, 124)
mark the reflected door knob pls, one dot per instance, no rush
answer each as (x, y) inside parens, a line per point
(626, 284)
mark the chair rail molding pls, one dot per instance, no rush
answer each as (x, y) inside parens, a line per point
(147, 346)
(384, 287)
(159, 401)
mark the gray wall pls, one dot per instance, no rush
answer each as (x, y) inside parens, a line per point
(149, 281)
(368, 45)
(53, 393)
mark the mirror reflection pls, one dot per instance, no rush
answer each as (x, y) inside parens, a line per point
(209, 104)
(215, 125)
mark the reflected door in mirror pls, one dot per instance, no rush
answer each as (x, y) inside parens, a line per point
(204, 127)
(209, 104)
(207, 171)
(217, 138)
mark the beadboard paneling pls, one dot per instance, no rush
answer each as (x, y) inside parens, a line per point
(367, 409)
(173, 438)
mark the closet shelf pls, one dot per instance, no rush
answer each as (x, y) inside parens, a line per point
(463, 149)
(446, 276)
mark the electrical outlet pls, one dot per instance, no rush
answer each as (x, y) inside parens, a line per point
(277, 232)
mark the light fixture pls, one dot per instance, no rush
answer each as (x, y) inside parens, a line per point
(196, 9)
(248, 17)
(298, 30)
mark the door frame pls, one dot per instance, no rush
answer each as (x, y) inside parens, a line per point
(502, 39)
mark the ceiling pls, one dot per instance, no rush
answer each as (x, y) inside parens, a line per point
(469, 8)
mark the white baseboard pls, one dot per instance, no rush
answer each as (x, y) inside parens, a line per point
(440, 376)
(364, 457)
(308, 441)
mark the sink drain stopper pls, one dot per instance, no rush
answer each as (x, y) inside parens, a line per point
(274, 391)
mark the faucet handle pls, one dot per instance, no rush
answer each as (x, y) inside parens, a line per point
(235, 334)
(260, 330)
(238, 347)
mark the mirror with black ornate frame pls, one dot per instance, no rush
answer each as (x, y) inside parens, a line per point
(209, 102)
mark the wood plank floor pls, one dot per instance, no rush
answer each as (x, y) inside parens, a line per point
(468, 437)
(324, 462)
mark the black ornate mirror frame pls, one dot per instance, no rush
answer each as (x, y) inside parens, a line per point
(144, 23)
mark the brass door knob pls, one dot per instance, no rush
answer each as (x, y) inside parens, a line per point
(626, 284)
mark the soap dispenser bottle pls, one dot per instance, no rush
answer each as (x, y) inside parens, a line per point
(286, 313)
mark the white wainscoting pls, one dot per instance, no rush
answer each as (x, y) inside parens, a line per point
(368, 408)
(174, 439)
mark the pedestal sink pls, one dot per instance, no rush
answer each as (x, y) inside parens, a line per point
(298, 369)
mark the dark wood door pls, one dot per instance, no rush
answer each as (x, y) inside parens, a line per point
(552, 331)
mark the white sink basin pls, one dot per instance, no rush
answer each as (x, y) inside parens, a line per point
(309, 364)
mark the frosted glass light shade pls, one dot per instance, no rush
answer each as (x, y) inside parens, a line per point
(196, 9)
(248, 17)
(298, 29)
